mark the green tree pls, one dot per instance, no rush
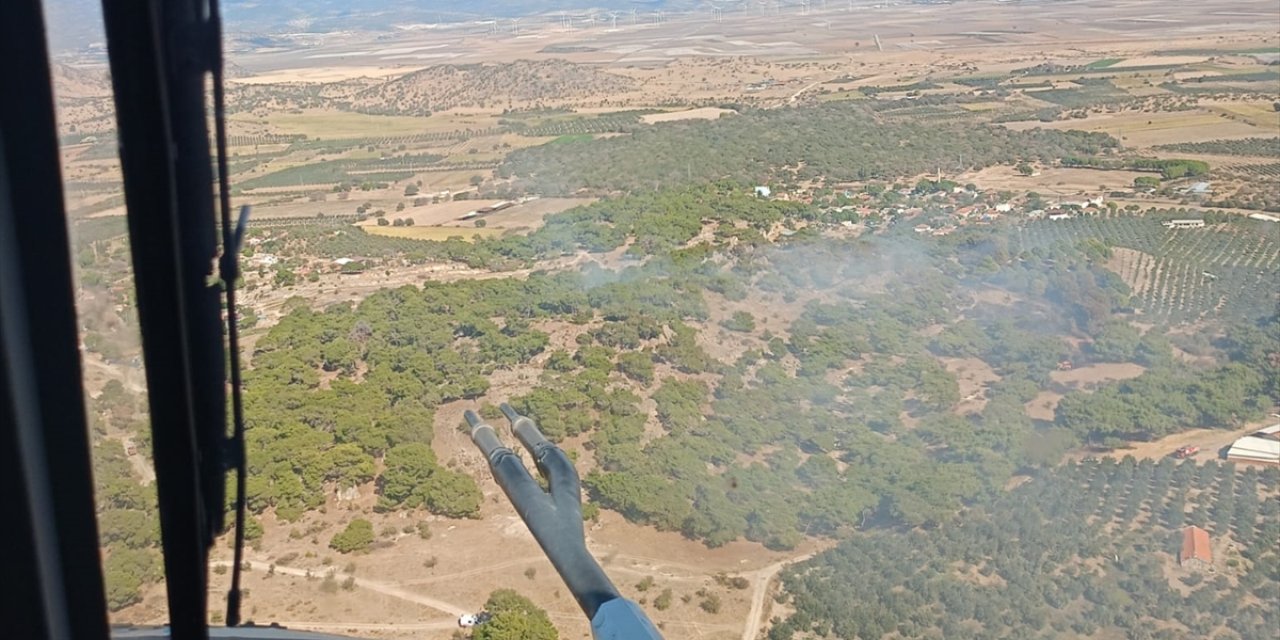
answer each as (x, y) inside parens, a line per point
(409, 467)
(515, 617)
(637, 365)
(126, 571)
(454, 495)
(356, 537)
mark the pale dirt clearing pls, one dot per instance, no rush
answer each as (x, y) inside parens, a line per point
(1096, 373)
(1149, 61)
(1043, 406)
(525, 216)
(973, 376)
(1210, 441)
(704, 113)
(1052, 181)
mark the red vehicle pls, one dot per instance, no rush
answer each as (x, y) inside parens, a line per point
(1186, 452)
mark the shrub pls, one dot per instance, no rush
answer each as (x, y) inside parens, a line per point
(356, 537)
(711, 603)
(663, 601)
(740, 321)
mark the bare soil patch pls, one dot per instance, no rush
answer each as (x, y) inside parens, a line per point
(1052, 181)
(1043, 406)
(703, 113)
(1089, 375)
(973, 376)
(1210, 441)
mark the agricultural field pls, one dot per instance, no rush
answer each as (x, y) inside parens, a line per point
(334, 124)
(1227, 271)
(1152, 129)
(1085, 95)
(1085, 551)
(1269, 170)
(1257, 113)
(332, 172)
(1263, 147)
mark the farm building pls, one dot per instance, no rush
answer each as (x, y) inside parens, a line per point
(1184, 224)
(1260, 446)
(1195, 553)
(1264, 217)
(763, 192)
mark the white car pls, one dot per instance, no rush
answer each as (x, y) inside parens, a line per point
(467, 620)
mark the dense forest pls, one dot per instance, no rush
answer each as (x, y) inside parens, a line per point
(730, 380)
(837, 142)
(844, 413)
(1085, 550)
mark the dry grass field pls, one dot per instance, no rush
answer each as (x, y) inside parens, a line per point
(1257, 113)
(1051, 181)
(1151, 129)
(704, 113)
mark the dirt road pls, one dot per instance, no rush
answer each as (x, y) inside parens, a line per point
(700, 628)
(350, 627)
(796, 96)
(760, 590)
(372, 585)
(1210, 441)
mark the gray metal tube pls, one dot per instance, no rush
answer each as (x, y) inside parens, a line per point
(555, 519)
